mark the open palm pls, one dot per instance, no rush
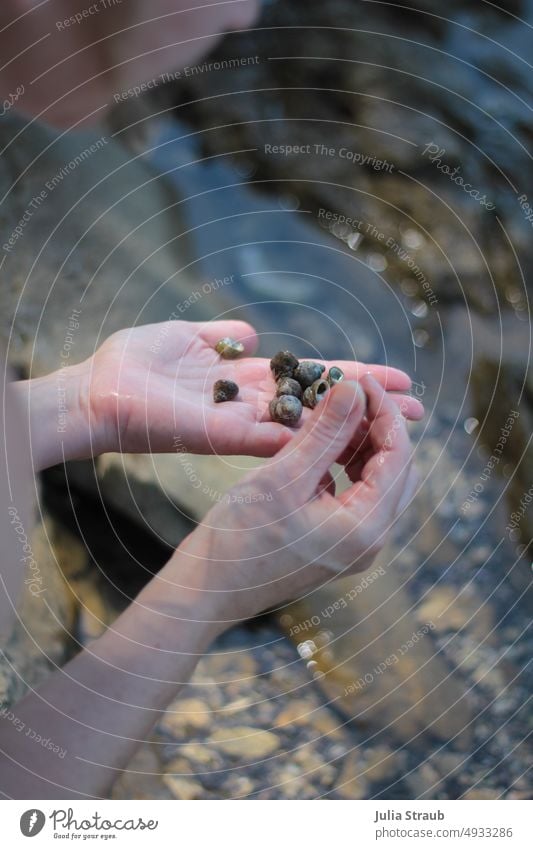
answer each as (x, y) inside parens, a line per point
(151, 390)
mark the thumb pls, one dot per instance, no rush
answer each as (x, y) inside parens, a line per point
(308, 456)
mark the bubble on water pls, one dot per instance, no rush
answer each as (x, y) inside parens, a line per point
(341, 231)
(244, 169)
(420, 309)
(513, 295)
(289, 202)
(306, 649)
(376, 262)
(412, 239)
(318, 675)
(354, 240)
(471, 424)
(420, 338)
(520, 550)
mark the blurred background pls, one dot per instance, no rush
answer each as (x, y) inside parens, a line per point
(360, 173)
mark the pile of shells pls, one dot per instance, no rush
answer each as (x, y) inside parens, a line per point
(298, 385)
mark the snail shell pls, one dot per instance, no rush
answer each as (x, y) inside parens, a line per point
(225, 390)
(283, 364)
(307, 372)
(335, 375)
(228, 348)
(288, 386)
(315, 393)
(287, 409)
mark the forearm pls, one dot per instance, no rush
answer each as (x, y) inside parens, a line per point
(55, 411)
(100, 706)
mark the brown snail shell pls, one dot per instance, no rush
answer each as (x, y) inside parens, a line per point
(287, 410)
(229, 348)
(307, 372)
(283, 364)
(315, 393)
(225, 390)
(288, 386)
(334, 375)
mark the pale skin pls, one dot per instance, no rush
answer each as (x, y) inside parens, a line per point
(70, 71)
(239, 561)
(127, 397)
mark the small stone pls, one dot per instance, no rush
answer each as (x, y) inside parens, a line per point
(482, 793)
(424, 780)
(199, 755)
(186, 717)
(225, 390)
(351, 783)
(245, 743)
(184, 788)
(382, 763)
(298, 712)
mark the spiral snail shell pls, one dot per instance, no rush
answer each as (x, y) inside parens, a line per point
(228, 348)
(315, 393)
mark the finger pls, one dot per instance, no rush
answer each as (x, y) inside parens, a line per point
(411, 487)
(392, 379)
(307, 458)
(410, 407)
(212, 331)
(384, 476)
(327, 484)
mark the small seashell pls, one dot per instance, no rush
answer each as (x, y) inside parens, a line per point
(315, 393)
(288, 386)
(225, 390)
(334, 375)
(307, 372)
(283, 364)
(287, 409)
(228, 348)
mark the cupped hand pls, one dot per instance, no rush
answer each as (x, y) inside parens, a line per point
(150, 389)
(282, 530)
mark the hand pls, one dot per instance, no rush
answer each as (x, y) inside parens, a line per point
(150, 390)
(281, 531)
(75, 59)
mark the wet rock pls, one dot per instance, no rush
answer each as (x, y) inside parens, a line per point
(378, 675)
(382, 763)
(482, 793)
(245, 743)
(351, 782)
(41, 638)
(425, 782)
(186, 716)
(142, 778)
(184, 788)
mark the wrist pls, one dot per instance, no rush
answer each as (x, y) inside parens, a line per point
(56, 414)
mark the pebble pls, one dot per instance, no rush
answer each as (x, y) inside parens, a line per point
(186, 717)
(184, 788)
(245, 743)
